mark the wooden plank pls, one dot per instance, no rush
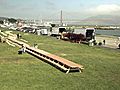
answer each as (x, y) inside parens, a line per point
(59, 59)
(57, 64)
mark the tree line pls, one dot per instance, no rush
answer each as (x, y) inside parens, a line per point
(10, 20)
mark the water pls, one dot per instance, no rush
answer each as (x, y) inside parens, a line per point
(109, 32)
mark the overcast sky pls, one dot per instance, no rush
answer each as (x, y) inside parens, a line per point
(50, 9)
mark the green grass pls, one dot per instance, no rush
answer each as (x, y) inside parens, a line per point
(24, 72)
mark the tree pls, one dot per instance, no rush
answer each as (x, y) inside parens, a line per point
(12, 20)
(1, 22)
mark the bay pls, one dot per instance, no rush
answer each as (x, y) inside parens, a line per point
(109, 32)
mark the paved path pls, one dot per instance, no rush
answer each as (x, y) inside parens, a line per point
(110, 41)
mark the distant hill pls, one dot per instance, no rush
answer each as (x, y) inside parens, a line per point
(101, 20)
(3, 18)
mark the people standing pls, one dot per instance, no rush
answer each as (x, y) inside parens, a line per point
(104, 42)
(119, 46)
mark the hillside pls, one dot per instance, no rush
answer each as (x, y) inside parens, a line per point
(99, 20)
(102, 20)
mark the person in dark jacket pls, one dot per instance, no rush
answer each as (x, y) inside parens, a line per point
(104, 42)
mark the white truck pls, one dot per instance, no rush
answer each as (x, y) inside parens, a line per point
(89, 33)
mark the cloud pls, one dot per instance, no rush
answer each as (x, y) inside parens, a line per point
(3, 2)
(6, 5)
(50, 5)
(105, 9)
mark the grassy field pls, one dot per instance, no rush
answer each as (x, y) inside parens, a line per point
(24, 72)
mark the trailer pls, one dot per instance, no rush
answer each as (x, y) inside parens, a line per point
(44, 31)
(89, 33)
(57, 31)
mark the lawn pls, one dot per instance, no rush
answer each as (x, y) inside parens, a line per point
(25, 72)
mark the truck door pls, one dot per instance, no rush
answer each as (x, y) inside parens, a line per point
(89, 34)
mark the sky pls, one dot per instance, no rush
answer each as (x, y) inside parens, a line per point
(50, 9)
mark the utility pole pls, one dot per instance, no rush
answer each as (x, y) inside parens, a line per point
(61, 19)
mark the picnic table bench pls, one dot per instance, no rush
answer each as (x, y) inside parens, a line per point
(60, 62)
